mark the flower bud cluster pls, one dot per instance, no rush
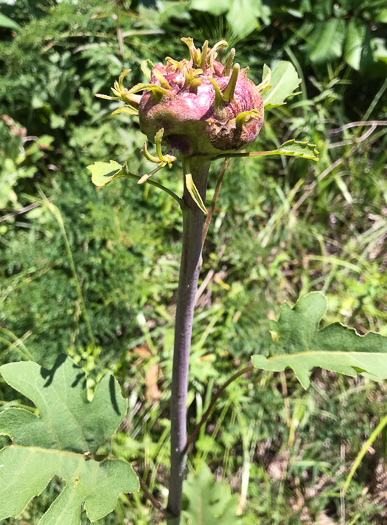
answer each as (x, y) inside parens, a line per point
(203, 106)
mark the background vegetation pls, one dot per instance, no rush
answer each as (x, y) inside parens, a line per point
(94, 273)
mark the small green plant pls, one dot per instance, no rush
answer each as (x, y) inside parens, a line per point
(200, 110)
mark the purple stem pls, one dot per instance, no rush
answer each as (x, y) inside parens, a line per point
(188, 280)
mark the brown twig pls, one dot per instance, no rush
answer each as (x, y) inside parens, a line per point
(19, 212)
(192, 437)
(155, 502)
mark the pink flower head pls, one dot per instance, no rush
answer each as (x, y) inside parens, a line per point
(206, 107)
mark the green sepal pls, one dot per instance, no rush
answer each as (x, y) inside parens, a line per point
(157, 90)
(125, 109)
(266, 77)
(242, 117)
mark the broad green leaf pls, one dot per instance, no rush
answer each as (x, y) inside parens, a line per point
(300, 345)
(194, 192)
(326, 41)
(284, 80)
(209, 503)
(5, 21)
(357, 49)
(61, 442)
(243, 16)
(104, 172)
(215, 7)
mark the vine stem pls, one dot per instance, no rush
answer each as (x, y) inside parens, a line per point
(188, 280)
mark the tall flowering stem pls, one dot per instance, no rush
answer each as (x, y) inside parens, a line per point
(200, 110)
(193, 218)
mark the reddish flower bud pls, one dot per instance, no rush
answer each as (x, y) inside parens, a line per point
(203, 106)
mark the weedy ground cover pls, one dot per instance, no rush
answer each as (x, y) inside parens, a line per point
(276, 233)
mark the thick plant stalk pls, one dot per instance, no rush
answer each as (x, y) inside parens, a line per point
(189, 273)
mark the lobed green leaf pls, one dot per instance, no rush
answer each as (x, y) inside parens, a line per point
(61, 442)
(293, 148)
(300, 345)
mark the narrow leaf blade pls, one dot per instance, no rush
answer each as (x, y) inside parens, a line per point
(194, 192)
(5, 21)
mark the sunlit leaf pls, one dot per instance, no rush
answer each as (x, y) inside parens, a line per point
(243, 16)
(5, 21)
(215, 7)
(103, 172)
(300, 345)
(284, 80)
(61, 442)
(293, 148)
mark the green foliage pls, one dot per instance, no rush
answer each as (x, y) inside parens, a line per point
(293, 148)
(283, 81)
(326, 41)
(208, 503)
(62, 442)
(5, 21)
(282, 227)
(104, 172)
(301, 346)
(328, 31)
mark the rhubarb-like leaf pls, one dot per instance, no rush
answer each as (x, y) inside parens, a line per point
(104, 172)
(300, 345)
(61, 441)
(284, 80)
